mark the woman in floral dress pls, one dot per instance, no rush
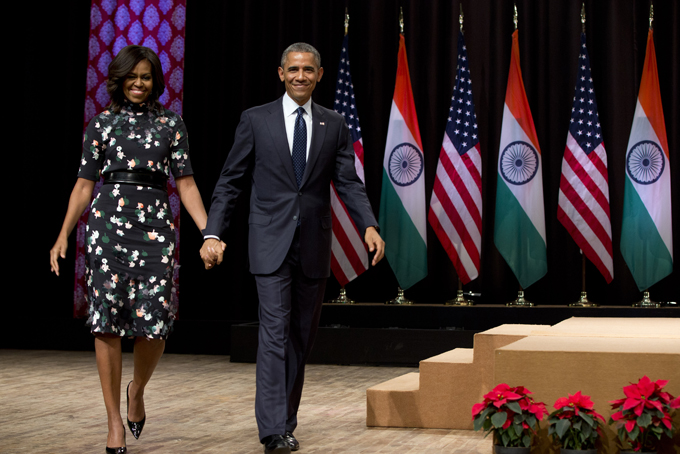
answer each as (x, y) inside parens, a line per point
(135, 145)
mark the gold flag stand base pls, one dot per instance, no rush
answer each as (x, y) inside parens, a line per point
(646, 301)
(459, 300)
(583, 301)
(342, 298)
(400, 299)
(520, 301)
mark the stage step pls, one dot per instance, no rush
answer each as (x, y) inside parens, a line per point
(448, 384)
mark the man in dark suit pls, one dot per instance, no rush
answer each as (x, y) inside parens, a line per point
(289, 151)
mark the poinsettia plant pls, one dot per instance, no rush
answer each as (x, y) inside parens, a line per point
(575, 424)
(644, 415)
(510, 414)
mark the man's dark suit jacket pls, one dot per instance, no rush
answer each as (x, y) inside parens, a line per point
(261, 153)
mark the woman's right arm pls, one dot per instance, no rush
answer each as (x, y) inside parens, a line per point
(80, 198)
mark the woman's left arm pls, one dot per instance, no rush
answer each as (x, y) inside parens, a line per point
(191, 199)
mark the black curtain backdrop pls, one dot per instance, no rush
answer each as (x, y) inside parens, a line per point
(232, 54)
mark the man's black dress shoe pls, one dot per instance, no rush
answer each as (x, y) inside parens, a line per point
(292, 441)
(276, 444)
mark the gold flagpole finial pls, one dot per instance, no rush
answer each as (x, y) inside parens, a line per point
(651, 14)
(515, 17)
(460, 18)
(583, 17)
(346, 21)
(401, 20)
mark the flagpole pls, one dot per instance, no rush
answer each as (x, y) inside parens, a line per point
(646, 301)
(342, 297)
(460, 300)
(520, 301)
(400, 299)
(583, 301)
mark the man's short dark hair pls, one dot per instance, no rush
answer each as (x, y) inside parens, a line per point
(302, 47)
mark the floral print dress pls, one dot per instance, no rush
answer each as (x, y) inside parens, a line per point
(130, 237)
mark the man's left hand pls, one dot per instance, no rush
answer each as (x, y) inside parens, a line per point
(375, 243)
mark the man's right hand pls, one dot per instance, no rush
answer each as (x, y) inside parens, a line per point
(212, 252)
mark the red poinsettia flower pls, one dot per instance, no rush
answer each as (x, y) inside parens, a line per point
(638, 395)
(675, 403)
(538, 409)
(576, 401)
(501, 394)
(477, 408)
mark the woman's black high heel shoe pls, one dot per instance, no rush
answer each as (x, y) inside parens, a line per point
(135, 427)
(122, 450)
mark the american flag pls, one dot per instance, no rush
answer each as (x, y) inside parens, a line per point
(456, 204)
(584, 189)
(349, 256)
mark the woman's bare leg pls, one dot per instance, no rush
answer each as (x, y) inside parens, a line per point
(146, 356)
(110, 366)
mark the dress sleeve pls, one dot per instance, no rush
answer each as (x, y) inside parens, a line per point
(180, 164)
(93, 151)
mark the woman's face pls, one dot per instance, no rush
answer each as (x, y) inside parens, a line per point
(138, 84)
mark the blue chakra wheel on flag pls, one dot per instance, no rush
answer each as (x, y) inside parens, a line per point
(645, 162)
(519, 163)
(406, 164)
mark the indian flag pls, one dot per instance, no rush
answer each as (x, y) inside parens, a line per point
(646, 233)
(402, 203)
(519, 229)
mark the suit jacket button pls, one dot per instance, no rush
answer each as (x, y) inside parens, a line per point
(294, 218)
(300, 193)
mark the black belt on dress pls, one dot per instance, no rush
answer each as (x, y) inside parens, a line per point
(155, 180)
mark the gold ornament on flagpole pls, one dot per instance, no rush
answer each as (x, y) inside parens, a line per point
(514, 19)
(651, 14)
(342, 298)
(583, 17)
(401, 20)
(346, 21)
(646, 301)
(400, 299)
(460, 18)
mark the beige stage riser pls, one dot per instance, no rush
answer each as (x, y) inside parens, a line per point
(552, 367)
(598, 356)
(443, 393)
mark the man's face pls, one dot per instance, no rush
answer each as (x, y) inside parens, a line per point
(300, 76)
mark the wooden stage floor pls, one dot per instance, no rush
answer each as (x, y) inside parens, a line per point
(50, 402)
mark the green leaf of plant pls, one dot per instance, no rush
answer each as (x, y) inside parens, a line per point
(644, 420)
(514, 406)
(499, 419)
(586, 431)
(526, 440)
(518, 429)
(478, 422)
(578, 424)
(562, 426)
(587, 419)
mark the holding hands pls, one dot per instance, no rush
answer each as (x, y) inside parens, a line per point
(212, 252)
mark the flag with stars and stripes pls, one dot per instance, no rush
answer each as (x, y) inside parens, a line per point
(456, 204)
(583, 206)
(349, 257)
(519, 226)
(647, 225)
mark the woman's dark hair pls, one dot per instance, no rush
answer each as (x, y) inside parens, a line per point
(123, 64)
